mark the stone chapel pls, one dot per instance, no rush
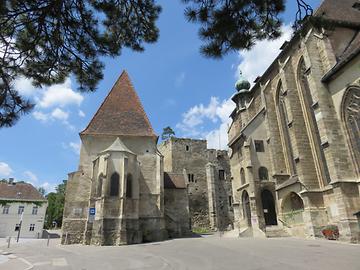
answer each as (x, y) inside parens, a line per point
(117, 194)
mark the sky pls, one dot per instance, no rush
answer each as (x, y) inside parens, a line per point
(177, 86)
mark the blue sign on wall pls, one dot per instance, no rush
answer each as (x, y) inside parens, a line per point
(92, 211)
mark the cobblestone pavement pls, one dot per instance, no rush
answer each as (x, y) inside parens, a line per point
(210, 252)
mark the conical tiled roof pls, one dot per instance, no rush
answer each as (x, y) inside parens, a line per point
(121, 113)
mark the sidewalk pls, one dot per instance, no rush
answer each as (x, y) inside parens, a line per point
(9, 261)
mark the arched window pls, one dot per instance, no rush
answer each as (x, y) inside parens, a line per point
(242, 176)
(246, 207)
(129, 183)
(99, 185)
(263, 173)
(114, 184)
(351, 116)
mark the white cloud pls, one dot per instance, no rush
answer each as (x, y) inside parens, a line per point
(51, 100)
(5, 169)
(218, 138)
(74, 146)
(81, 113)
(24, 86)
(255, 61)
(48, 187)
(59, 114)
(60, 95)
(55, 115)
(179, 80)
(31, 177)
(196, 116)
(195, 120)
(43, 117)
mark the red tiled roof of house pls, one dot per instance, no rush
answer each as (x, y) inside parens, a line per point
(121, 113)
(20, 191)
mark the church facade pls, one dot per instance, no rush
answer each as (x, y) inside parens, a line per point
(117, 194)
(295, 135)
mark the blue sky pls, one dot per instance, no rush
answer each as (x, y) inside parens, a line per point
(177, 86)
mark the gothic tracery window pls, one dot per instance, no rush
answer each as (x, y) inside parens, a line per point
(351, 114)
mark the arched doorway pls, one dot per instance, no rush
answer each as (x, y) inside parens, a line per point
(246, 207)
(268, 204)
(292, 209)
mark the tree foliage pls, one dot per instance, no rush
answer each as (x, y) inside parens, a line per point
(55, 207)
(47, 40)
(228, 25)
(42, 191)
(167, 133)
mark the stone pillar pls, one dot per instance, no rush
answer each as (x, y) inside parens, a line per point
(212, 196)
(122, 230)
(314, 215)
(347, 200)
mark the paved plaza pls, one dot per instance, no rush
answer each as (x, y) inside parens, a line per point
(211, 252)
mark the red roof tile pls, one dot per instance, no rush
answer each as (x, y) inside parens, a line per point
(121, 113)
(20, 191)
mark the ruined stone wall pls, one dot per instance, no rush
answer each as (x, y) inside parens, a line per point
(76, 208)
(190, 156)
(177, 212)
(223, 188)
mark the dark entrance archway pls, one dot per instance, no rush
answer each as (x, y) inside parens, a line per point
(268, 204)
(246, 207)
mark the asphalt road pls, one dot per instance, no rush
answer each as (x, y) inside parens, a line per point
(210, 252)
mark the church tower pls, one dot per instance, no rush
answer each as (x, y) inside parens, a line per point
(116, 196)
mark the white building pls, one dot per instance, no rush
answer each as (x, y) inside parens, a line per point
(21, 200)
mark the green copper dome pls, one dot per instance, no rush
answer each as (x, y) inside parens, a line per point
(242, 85)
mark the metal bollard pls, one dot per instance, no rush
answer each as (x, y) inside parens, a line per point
(48, 241)
(9, 240)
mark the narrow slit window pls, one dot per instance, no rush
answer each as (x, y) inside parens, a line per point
(221, 175)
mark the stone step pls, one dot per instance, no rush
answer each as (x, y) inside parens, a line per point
(274, 231)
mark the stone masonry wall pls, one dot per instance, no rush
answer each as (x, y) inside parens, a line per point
(191, 156)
